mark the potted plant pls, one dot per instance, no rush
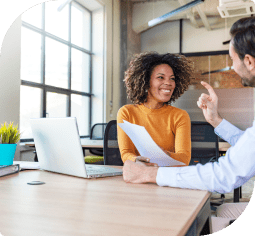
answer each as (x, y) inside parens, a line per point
(9, 136)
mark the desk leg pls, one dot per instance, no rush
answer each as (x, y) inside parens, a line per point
(236, 194)
(35, 157)
(207, 229)
(202, 224)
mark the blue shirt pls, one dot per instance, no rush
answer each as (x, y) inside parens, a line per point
(230, 172)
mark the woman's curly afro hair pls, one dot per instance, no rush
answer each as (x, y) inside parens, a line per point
(137, 76)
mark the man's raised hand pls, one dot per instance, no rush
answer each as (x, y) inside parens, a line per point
(209, 105)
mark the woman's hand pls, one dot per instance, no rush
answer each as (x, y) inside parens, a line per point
(144, 161)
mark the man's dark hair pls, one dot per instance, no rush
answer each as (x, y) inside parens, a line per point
(243, 36)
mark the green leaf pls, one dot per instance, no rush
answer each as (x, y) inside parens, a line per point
(10, 133)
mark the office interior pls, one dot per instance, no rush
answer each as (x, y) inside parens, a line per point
(123, 32)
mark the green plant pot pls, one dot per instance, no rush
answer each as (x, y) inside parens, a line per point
(7, 152)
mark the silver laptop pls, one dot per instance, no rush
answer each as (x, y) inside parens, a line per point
(58, 149)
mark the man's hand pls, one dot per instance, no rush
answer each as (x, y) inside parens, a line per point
(139, 174)
(209, 105)
(144, 161)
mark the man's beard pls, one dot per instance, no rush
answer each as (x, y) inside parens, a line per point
(248, 83)
(245, 83)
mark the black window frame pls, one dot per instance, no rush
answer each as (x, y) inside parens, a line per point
(48, 88)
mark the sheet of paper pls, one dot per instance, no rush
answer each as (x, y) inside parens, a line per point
(27, 165)
(146, 146)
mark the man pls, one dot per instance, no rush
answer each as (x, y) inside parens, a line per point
(238, 166)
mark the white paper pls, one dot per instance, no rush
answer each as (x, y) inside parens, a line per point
(27, 165)
(146, 146)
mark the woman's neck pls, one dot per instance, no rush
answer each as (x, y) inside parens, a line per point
(153, 105)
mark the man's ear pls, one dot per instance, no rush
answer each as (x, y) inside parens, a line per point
(249, 62)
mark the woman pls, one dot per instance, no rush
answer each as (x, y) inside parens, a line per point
(153, 81)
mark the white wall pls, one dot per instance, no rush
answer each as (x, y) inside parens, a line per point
(203, 40)
(111, 68)
(10, 76)
(112, 58)
(163, 38)
(98, 114)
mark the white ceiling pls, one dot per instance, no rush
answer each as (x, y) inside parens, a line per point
(203, 15)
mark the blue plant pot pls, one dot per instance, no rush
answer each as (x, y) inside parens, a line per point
(7, 152)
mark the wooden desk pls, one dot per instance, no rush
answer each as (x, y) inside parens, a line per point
(224, 146)
(88, 143)
(68, 205)
(85, 143)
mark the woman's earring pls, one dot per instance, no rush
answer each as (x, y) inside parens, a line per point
(146, 90)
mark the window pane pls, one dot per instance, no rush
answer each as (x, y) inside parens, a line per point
(80, 71)
(30, 107)
(56, 22)
(56, 105)
(30, 55)
(33, 16)
(80, 110)
(56, 61)
(80, 26)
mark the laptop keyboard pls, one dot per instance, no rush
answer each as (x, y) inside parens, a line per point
(100, 169)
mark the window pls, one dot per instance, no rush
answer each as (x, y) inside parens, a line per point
(56, 65)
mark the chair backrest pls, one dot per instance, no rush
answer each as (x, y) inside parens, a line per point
(111, 147)
(97, 131)
(205, 143)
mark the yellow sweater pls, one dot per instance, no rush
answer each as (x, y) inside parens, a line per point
(168, 126)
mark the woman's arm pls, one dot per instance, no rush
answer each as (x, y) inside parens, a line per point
(182, 129)
(126, 146)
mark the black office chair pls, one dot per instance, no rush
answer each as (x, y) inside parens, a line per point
(97, 133)
(205, 143)
(111, 147)
(205, 147)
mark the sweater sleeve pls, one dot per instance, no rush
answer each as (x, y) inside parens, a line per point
(126, 146)
(182, 130)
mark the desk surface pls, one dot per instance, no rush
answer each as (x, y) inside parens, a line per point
(89, 143)
(68, 205)
(224, 146)
(85, 143)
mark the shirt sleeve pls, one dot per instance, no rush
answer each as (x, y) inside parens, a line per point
(228, 132)
(230, 172)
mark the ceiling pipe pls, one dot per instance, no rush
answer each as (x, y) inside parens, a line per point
(174, 12)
